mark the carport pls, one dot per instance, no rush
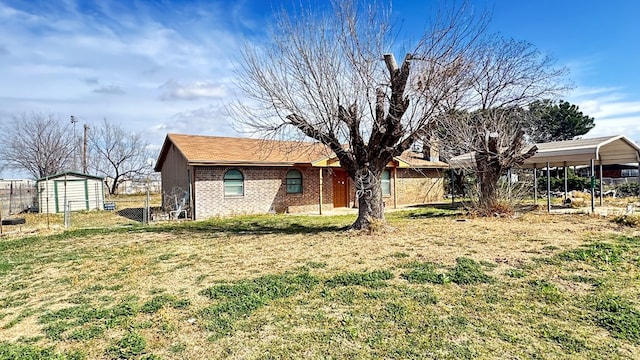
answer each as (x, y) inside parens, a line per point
(609, 150)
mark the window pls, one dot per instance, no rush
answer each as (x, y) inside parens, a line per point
(233, 183)
(629, 172)
(385, 182)
(294, 182)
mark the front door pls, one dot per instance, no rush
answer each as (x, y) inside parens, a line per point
(340, 189)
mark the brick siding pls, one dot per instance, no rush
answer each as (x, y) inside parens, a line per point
(264, 192)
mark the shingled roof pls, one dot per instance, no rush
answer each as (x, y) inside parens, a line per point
(216, 150)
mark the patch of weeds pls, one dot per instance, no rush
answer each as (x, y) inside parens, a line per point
(376, 295)
(425, 273)
(627, 220)
(130, 346)
(516, 273)
(596, 253)
(586, 280)
(345, 296)
(488, 264)
(400, 255)
(158, 302)
(17, 286)
(425, 296)
(565, 340)
(316, 265)
(5, 266)
(11, 351)
(177, 348)
(373, 279)
(546, 291)
(86, 333)
(165, 257)
(239, 300)
(395, 311)
(58, 322)
(13, 301)
(467, 271)
(23, 315)
(618, 316)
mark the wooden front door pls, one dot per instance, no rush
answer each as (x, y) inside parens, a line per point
(340, 189)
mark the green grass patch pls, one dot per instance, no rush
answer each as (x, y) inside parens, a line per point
(131, 345)
(546, 291)
(465, 272)
(597, 253)
(371, 279)
(234, 302)
(9, 351)
(158, 302)
(618, 316)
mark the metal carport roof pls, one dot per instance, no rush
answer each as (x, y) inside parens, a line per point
(603, 150)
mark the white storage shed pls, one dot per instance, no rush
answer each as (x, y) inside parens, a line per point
(79, 191)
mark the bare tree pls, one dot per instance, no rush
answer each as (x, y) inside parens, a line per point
(507, 76)
(118, 155)
(39, 144)
(331, 78)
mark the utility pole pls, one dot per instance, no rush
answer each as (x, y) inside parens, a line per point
(75, 143)
(84, 149)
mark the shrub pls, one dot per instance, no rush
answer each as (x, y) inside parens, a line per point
(627, 220)
(630, 189)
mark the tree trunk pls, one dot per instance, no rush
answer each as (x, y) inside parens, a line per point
(488, 172)
(370, 205)
(488, 189)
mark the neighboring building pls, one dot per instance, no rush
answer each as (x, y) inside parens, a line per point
(222, 176)
(611, 171)
(80, 191)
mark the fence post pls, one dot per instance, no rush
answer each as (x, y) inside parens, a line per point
(67, 215)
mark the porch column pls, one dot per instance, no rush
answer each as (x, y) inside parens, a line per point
(320, 194)
(395, 187)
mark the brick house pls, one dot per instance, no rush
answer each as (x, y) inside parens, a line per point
(221, 176)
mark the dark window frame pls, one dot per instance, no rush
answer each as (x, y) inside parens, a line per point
(230, 180)
(291, 182)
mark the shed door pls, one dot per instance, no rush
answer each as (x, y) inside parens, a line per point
(340, 189)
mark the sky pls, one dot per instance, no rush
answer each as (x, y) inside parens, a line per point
(163, 66)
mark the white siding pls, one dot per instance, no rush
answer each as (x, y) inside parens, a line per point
(81, 193)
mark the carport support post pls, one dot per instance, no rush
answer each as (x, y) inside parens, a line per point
(509, 184)
(565, 181)
(453, 189)
(593, 192)
(601, 183)
(535, 184)
(548, 188)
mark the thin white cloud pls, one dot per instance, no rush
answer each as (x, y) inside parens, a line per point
(110, 90)
(612, 110)
(174, 90)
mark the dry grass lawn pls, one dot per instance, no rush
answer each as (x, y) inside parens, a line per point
(433, 285)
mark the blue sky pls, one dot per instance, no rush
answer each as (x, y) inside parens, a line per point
(166, 66)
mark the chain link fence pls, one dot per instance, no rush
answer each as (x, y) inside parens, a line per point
(17, 197)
